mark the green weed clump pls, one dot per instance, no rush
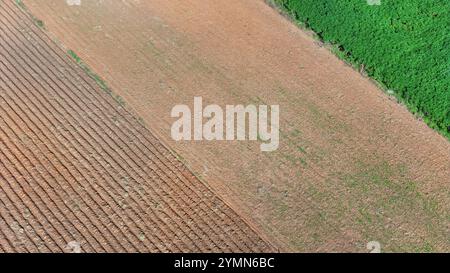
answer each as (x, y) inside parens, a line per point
(403, 45)
(37, 21)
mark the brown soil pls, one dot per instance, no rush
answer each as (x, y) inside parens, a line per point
(77, 166)
(353, 165)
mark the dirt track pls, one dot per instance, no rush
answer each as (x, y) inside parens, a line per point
(76, 166)
(353, 165)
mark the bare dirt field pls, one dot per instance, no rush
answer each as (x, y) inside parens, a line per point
(78, 168)
(353, 166)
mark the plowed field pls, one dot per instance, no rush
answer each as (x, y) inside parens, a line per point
(76, 166)
(353, 165)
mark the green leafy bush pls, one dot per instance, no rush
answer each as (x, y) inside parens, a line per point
(404, 45)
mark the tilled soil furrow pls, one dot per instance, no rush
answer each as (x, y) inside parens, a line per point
(171, 164)
(88, 170)
(39, 108)
(44, 174)
(77, 129)
(77, 171)
(208, 208)
(6, 234)
(12, 226)
(26, 198)
(5, 231)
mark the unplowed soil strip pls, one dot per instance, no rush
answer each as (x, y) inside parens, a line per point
(77, 166)
(353, 165)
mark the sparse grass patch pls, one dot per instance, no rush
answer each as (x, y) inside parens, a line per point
(385, 197)
(120, 100)
(20, 4)
(74, 56)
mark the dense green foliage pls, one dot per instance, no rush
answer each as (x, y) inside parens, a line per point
(404, 45)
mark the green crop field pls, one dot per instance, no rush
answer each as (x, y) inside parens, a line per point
(404, 45)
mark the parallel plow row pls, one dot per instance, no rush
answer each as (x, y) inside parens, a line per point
(76, 166)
